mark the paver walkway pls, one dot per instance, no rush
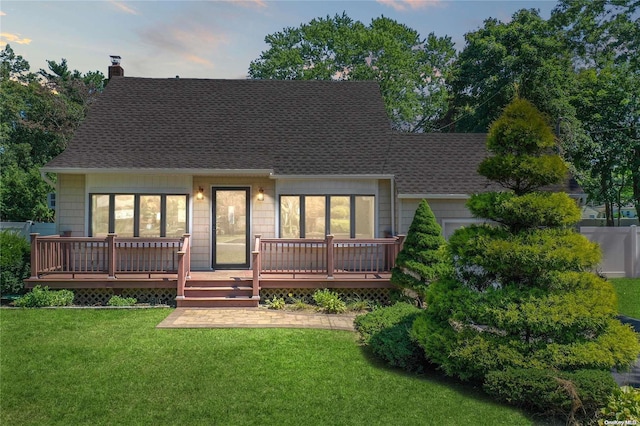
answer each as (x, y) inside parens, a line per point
(254, 318)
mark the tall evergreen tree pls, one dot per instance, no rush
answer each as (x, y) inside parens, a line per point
(522, 295)
(420, 261)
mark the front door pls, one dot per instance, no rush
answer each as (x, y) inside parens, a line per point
(231, 228)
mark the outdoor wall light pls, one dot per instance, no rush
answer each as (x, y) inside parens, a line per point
(200, 194)
(260, 194)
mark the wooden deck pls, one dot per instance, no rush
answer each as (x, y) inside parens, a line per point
(121, 263)
(282, 280)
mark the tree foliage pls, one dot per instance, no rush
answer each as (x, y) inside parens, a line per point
(525, 57)
(580, 68)
(604, 36)
(522, 295)
(522, 143)
(15, 265)
(409, 69)
(39, 114)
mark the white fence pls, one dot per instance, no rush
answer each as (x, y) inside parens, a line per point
(26, 228)
(620, 249)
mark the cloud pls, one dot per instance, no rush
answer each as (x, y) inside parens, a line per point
(2, 13)
(402, 5)
(250, 3)
(13, 38)
(123, 7)
(184, 39)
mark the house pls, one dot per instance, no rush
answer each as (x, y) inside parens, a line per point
(175, 183)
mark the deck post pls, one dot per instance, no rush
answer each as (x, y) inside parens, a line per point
(329, 241)
(257, 266)
(111, 252)
(256, 273)
(187, 248)
(34, 256)
(182, 275)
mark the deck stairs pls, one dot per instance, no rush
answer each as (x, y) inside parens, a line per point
(218, 293)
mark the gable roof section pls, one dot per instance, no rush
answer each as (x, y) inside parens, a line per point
(290, 127)
(294, 128)
(438, 163)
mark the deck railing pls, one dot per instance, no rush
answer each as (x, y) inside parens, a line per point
(109, 255)
(184, 264)
(327, 256)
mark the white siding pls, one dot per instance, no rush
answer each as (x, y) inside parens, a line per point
(450, 214)
(327, 186)
(131, 183)
(384, 207)
(71, 205)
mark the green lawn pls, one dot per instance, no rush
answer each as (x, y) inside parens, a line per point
(85, 366)
(628, 290)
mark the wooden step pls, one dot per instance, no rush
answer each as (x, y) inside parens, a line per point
(218, 291)
(218, 302)
(217, 283)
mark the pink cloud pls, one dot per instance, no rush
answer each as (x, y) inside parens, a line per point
(123, 7)
(402, 5)
(185, 40)
(250, 3)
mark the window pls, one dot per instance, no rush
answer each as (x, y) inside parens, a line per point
(290, 217)
(136, 215)
(315, 216)
(100, 208)
(340, 216)
(364, 216)
(124, 215)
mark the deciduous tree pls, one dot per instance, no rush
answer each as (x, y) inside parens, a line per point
(38, 117)
(526, 57)
(409, 69)
(604, 36)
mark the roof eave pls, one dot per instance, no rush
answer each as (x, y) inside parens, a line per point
(159, 171)
(435, 196)
(333, 176)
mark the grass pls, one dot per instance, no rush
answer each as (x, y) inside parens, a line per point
(85, 366)
(628, 291)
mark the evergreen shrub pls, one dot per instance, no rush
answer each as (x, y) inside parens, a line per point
(386, 331)
(575, 395)
(422, 259)
(15, 258)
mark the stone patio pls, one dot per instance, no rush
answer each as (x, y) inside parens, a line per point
(254, 318)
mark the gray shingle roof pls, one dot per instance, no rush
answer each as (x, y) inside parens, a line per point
(290, 127)
(310, 127)
(438, 163)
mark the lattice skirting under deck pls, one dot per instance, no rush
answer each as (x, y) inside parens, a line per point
(100, 296)
(380, 295)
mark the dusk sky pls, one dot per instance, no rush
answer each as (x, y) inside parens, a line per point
(208, 39)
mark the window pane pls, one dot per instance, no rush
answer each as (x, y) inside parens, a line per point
(123, 211)
(290, 216)
(314, 217)
(365, 208)
(150, 215)
(99, 215)
(339, 222)
(176, 215)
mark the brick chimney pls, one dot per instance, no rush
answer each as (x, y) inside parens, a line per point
(115, 70)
